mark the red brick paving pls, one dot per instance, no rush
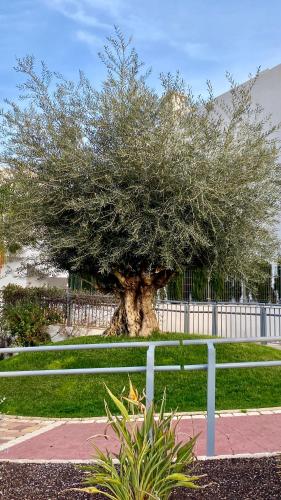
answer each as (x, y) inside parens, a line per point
(234, 435)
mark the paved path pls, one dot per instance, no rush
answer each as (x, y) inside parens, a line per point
(72, 440)
(13, 428)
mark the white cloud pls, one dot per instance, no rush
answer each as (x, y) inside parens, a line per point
(194, 50)
(88, 38)
(112, 7)
(91, 14)
(79, 11)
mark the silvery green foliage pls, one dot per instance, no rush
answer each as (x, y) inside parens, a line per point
(124, 179)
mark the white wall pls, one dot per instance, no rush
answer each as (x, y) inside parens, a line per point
(267, 93)
(15, 272)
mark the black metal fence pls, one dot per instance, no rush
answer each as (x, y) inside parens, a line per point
(195, 285)
(82, 309)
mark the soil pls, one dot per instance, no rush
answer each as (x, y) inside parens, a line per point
(227, 479)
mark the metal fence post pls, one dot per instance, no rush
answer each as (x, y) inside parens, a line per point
(211, 400)
(209, 290)
(214, 320)
(186, 318)
(263, 317)
(69, 308)
(150, 362)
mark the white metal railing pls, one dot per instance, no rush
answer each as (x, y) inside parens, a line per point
(220, 319)
(150, 368)
(223, 319)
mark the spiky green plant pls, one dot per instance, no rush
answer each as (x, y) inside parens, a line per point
(150, 461)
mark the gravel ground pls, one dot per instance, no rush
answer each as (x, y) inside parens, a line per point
(234, 479)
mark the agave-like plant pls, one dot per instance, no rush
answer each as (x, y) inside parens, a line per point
(150, 461)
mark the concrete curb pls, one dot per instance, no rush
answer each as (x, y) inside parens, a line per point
(183, 415)
(200, 458)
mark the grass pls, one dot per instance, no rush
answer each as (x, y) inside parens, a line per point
(83, 395)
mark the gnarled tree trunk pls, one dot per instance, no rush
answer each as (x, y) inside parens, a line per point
(135, 316)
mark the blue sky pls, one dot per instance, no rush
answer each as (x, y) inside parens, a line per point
(201, 38)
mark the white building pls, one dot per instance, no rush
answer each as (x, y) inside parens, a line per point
(18, 269)
(267, 93)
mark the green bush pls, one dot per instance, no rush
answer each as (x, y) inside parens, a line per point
(48, 297)
(28, 311)
(27, 323)
(151, 463)
(13, 294)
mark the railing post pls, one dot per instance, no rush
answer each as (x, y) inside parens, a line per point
(243, 293)
(186, 318)
(263, 329)
(211, 400)
(69, 309)
(209, 290)
(150, 362)
(214, 319)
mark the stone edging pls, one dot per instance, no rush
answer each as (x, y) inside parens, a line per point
(93, 461)
(183, 415)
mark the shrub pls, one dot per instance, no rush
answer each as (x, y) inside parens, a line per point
(27, 323)
(27, 312)
(5, 338)
(151, 463)
(13, 294)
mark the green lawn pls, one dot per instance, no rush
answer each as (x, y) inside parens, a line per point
(82, 395)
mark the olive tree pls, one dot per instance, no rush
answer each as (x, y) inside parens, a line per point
(2, 247)
(132, 185)
(4, 197)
